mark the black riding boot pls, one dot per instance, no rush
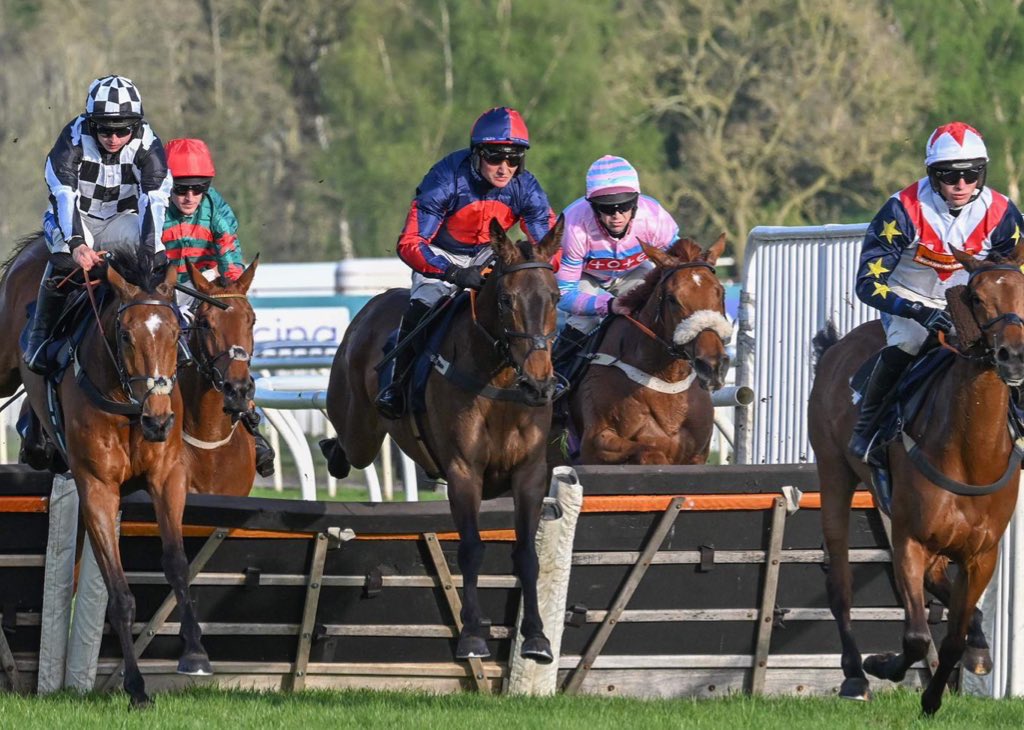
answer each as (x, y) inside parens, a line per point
(565, 353)
(264, 451)
(391, 401)
(49, 306)
(883, 378)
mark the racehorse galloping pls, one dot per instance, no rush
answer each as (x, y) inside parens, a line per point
(120, 430)
(217, 388)
(638, 406)
(484, 433)
(962, 432)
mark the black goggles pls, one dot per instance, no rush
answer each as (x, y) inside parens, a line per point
(105, 131)
(950, 177)
(613, 208)
(198, 189)
(496, 157)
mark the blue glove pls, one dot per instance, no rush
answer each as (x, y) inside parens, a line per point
(933, 320)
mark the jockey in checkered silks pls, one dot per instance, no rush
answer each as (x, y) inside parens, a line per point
(109, 188)
(906, 262)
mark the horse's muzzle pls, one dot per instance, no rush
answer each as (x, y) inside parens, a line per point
(156, 428)
(238, 395)
(537, 393)
(711, 371)
(1009, 360)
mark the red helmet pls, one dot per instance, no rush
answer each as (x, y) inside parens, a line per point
(189, 158)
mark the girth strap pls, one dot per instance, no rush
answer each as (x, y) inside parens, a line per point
(475, 385)
(640, 377)
(951, 485)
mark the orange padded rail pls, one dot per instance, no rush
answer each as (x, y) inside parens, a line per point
(706, 502)
(25, 504)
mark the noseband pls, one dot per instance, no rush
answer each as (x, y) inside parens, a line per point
(502, 342)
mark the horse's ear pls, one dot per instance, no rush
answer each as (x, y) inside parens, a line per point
(245, 280)
(967, 330)
(715, 250)
(199, 282)
(166, 287)
(502, 245)
(1018, 253)
(966, 260)
(655, 254)
(548, 245)
(125, 290)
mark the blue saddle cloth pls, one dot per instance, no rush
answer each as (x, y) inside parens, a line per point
(416, 384)
(68, 333)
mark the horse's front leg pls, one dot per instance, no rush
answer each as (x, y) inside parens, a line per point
(967, 589)
(168, 495)
(837, 485)
(99, 504)
(528, 488)
(910, 560)
(977, 656)
(605, 446)
(464, 494)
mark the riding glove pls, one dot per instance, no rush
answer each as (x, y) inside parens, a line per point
(466, 277)
(933, 320)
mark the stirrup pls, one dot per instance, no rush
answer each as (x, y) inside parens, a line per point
(389, 402)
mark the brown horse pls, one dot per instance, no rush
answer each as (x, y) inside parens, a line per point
(120, 432)
(962, 440)
(19, 285)
(488, 411)
(217, 388)
(646, 396)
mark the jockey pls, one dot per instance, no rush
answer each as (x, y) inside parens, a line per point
(201, 227)
(109, 186)
(601, 254)
(906, 264)
(447, 231)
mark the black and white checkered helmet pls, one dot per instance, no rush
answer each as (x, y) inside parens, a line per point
(112, 99)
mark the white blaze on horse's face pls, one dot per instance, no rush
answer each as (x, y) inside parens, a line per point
(697, 281)
(153, 323)
(704, 319)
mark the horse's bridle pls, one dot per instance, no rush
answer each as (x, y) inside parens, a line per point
(207, 365)
(159, 385)
(674, 351)
(501, 344)
(1010, 318)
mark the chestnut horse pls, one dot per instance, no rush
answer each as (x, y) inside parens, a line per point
(645, 397)
(217, 388)
(120, 433)
(962, 438)
(488, 412)
(19, 286)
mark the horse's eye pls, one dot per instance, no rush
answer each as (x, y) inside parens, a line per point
(975, 299)
(126, 338)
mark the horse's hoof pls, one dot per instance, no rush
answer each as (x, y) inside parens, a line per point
(977, 661)
(472, 647)
(337, 463)
(140, 702)
(855, 688)
(537, 648)
(195, 665)
(875, 665)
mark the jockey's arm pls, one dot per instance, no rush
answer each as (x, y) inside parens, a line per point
(888, 234)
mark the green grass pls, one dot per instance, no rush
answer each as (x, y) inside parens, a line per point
(345, 493)
(207, 708)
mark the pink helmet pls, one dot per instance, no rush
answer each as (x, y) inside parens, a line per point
(612, 177)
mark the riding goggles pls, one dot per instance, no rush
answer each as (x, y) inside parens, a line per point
(198, 189)
(104, 131)
(950, 177)
(613, 208)
(497, 156)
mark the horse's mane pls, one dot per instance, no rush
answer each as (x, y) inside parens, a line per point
(137, 269)
(20, 245)
(683, 250)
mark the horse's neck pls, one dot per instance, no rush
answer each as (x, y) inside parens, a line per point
(969, 405)
(626, 341)
(98, 350)
(203, 415)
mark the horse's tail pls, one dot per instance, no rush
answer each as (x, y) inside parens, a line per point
(826, 337)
